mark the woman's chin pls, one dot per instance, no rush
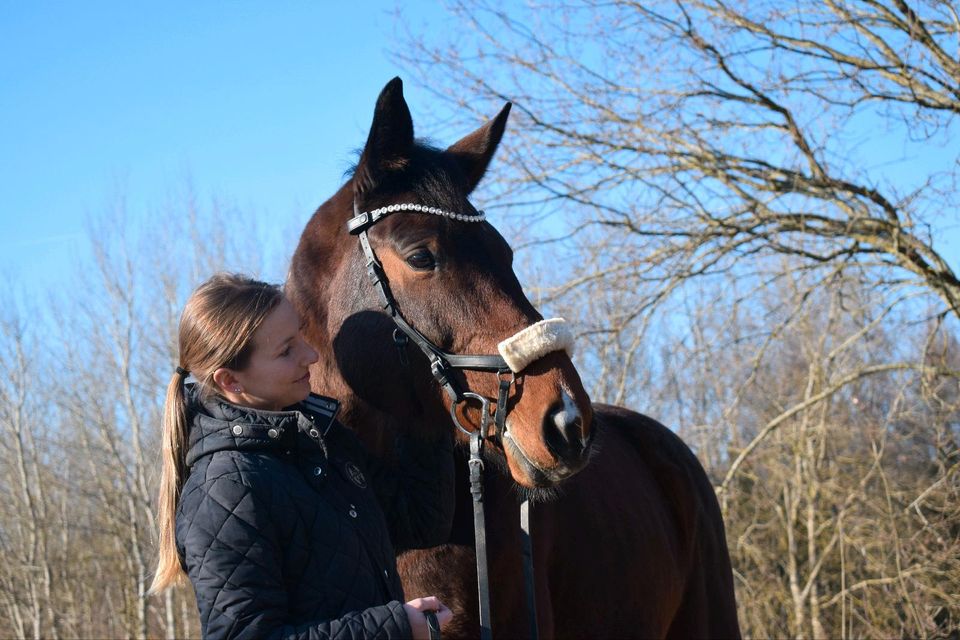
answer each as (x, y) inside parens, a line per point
(303, 389)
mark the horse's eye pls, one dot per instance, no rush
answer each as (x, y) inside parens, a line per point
(421, 260)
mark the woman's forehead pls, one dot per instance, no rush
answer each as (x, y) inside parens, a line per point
(280, 324)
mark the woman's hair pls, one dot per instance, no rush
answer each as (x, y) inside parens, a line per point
(216, 330)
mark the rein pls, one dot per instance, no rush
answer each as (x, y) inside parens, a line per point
(442, 365)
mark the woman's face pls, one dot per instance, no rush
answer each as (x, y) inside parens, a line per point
(278, 373)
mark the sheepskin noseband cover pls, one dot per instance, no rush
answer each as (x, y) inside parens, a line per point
(536, 341)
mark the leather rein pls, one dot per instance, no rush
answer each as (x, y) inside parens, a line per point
(442, 365)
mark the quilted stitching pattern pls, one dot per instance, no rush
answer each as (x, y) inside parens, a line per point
(272, 547)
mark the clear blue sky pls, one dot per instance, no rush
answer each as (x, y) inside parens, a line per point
(262, 103)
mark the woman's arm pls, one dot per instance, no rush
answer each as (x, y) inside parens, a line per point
(234, 559)
(416, 490)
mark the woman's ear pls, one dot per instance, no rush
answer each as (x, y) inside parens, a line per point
(227, 382)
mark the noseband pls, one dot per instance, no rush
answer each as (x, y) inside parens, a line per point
(517, 352)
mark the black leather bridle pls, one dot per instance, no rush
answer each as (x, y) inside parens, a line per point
(442, 365)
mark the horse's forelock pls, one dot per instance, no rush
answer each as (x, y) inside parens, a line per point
(429, 173)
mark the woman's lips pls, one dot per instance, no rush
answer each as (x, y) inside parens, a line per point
(305, 378)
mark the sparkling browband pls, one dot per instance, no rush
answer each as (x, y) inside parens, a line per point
(367, 218)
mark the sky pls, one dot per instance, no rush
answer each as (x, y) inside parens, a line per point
(261, 103)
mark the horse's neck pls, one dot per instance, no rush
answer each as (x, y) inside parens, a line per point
(324, 248)
(322, 242)
(377, 428)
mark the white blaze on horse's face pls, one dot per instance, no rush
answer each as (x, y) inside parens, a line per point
(568, 414)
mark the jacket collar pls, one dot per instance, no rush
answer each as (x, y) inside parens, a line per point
(219, 425)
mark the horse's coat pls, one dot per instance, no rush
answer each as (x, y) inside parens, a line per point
(633, 543)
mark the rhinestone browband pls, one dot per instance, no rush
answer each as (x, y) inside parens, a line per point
(367, 218)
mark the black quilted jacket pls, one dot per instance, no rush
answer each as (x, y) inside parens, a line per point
(285, 523)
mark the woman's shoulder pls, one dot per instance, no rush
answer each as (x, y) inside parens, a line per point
(230, 500)
(263, 476)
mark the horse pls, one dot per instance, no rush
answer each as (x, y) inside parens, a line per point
(628, 538)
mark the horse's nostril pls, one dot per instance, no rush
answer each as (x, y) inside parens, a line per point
(563, 431)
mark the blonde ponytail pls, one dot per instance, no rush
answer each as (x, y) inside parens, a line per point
(172, 475)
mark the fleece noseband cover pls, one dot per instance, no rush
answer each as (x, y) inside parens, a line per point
(536, 341)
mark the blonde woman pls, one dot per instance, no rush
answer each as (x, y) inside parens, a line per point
(267, 503)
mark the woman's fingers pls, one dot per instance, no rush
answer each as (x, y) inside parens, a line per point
(429, 603)
(444, 615)
(433, 603)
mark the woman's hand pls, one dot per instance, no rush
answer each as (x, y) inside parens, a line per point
(418, 623)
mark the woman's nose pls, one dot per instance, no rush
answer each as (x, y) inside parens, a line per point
(312, 355)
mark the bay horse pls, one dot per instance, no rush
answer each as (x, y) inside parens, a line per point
(628, 539)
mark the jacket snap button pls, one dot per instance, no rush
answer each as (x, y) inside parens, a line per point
(273, 433)
(237, 430)
(385, 574)
(314, 433)
(318, 471)
(353, 513)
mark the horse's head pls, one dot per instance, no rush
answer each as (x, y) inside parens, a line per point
(451, 278)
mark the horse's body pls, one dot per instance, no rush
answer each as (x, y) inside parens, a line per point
(632, 548)
(632, 545)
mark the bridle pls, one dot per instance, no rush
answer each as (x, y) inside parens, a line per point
(442, 365)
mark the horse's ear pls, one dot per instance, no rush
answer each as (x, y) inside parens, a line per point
(390, 140)
(473, 152)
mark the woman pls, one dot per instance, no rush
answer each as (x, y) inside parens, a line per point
(273, 508)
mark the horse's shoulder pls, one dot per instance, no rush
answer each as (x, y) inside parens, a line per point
(648, 435)
(672, 462)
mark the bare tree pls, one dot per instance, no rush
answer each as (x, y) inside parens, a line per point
(711, 132)
(723, 195)
(80, 403)
(27, 576)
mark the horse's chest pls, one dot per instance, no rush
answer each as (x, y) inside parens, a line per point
(611, 567)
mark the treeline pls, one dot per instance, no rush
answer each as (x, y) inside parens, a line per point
(706, 190)
(829, 424)
(84, 372)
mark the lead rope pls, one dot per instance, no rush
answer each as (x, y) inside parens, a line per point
(526, 541)
(479, 526)
(433, 625)
(527, 547)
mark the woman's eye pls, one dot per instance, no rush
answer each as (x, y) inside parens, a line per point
(421, 260)
(285, 352)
